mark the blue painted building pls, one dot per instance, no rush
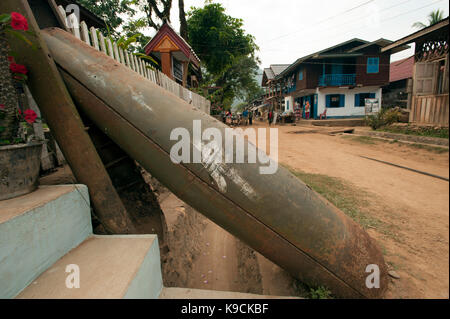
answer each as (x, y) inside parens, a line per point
(337, 79)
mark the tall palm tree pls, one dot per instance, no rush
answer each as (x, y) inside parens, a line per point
(433, 18)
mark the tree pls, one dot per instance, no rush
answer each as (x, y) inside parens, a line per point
(227, 52)
(129, 31)
(132, 35)
(183, 22)
(154, 13)
(433, 18)
(109, 10)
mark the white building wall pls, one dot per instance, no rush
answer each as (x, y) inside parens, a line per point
(349, 109)
(289, 99)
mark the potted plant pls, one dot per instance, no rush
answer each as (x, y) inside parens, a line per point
(20, 152)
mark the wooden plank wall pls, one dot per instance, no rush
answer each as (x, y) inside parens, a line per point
(430, 109)
(96, 39)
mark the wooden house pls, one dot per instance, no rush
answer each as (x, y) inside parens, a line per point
(399, 90)
(177, 58)
(430, 75)
(337, 79)
(272, 97)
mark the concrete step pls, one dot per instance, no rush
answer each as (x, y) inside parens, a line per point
(351, 122)
(37, 229)
(109, 267)
(187, 293)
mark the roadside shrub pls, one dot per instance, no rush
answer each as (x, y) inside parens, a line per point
(320, 293)
(382, 118)
(431, 131)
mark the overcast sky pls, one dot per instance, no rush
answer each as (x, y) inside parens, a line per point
(286, 30)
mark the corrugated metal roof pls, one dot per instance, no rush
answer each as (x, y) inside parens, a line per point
(269, 73)
(402, 69)
(278, 68)
(355, 42)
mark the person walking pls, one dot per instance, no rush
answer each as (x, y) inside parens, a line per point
(270, 116)
(250, 117)
(245, 116)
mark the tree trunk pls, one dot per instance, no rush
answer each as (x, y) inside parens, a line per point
(9, 123)
(183, 23)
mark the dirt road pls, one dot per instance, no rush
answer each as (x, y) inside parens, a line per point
(415, 205)
(204, 256)
(413, 208)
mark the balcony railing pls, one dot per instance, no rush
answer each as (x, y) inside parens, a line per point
(337, 79)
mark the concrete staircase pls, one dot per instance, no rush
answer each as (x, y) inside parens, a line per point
(44, 232)
(48, 250)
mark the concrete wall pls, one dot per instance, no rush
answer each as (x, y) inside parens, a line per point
(349, 110)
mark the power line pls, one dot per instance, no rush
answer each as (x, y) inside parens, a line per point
(358, 19)
(329, 18)
(382, 20)
(205, 44)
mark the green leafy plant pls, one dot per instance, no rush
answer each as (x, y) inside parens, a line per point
(319, 293)
(441, 132)
(433, 18)
(145, 57)
(382, 118)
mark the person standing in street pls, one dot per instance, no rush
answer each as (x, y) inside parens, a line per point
(245, 116)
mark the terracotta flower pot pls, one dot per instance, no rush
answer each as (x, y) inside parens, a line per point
(19, 169)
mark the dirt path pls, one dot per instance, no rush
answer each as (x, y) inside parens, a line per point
(417, 206)
(217, 266)
(204, 256)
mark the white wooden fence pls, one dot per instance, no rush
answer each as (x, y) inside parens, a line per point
(96, 39)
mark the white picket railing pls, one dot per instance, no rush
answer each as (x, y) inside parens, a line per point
(96, 39)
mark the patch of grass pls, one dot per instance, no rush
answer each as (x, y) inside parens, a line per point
(441, 132)
(434, 149)
(361, 139)
(348, 198)
(393, 265)
(370, 140)
(343, 195)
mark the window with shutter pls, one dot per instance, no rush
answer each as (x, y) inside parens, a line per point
(342, 100)
(373, 65)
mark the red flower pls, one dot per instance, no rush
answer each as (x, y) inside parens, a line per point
(18, 21)
(2, 106)
(30, 116)
(17, 68)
